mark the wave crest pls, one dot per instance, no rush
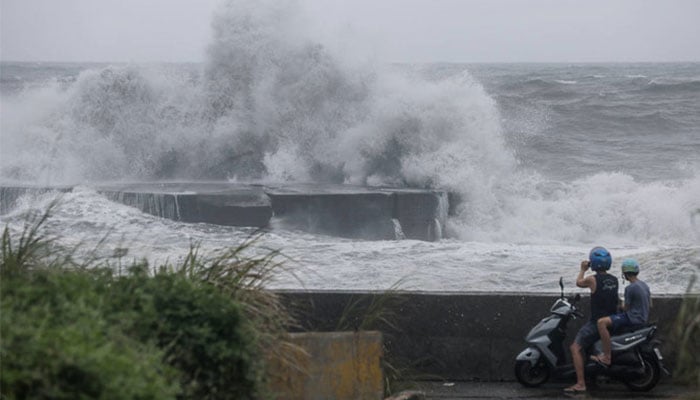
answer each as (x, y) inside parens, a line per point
(274, 104)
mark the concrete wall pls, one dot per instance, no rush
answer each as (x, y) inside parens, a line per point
(340, 210)
(459, 336)
(250, 208)
(361, 212)
(366, 215)
(422, 214)
(10, 194)
(331, 365)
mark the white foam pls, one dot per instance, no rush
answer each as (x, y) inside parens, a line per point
(83, 218)
(275, 104)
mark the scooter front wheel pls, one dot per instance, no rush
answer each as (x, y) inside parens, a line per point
(531, 375)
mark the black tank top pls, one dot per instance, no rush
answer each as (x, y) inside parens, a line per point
(604, 300)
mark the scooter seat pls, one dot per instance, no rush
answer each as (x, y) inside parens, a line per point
(628, 329)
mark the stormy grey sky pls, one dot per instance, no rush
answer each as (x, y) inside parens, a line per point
(394, 30)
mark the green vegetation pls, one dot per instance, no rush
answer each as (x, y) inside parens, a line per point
(58, 343)
(378, 311)
(382, 311)
(199, 330)
(687, 335)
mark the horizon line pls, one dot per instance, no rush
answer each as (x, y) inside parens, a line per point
(386, 62)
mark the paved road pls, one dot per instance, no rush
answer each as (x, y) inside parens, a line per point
(512, 390)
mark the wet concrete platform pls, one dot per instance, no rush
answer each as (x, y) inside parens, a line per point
(339, 210)
(455, 390)
(213, 203)
(361, 212)
(10, 194)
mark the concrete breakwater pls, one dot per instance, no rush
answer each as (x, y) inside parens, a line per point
(338, 210)
(454, 336)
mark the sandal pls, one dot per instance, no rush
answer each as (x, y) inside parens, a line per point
(574, 389)
(602, 360)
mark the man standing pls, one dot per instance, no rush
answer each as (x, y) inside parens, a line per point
(636, 309)
(603, 287)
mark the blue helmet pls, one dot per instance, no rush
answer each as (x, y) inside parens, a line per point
(630, 266)
(600, 259)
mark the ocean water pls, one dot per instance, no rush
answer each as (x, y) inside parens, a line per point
(549, 159)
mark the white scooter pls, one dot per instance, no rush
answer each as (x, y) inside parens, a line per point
(636, 358)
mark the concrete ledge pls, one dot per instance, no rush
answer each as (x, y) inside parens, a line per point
(214, 203)
(333, 365)
(339, 210)
(356, 213)
(422, 214)
(456, 336)
(9, 194)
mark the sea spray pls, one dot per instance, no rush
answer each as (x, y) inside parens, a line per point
(603, 208)
(274, 103)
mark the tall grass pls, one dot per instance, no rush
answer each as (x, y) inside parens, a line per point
(379, 311)
(244, 279)
(382, 311)
(687, 332)
(687, 337)
(32, 249)
(200, 329)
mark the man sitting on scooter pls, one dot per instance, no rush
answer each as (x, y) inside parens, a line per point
(603, 288)
(636, 310)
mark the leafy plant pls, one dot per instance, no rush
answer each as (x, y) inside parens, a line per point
(199, 330)
(244, 278)
(57, 343)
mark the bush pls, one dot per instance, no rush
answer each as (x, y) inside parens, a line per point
(201, 331)
(57, 344)
(76, 330)
(71, 334)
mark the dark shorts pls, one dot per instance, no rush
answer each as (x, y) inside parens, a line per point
(619, 321)
(587, 335)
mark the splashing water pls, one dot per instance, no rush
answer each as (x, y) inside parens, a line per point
(275, 104)
(271, 106)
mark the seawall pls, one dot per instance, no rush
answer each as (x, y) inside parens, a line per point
(455, 336)
(338, 210)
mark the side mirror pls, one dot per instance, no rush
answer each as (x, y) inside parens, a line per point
(561, 286)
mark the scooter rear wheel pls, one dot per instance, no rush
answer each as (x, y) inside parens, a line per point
(531, 375)
(649, 378)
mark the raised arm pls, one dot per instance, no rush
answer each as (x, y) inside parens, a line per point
(581, 280)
